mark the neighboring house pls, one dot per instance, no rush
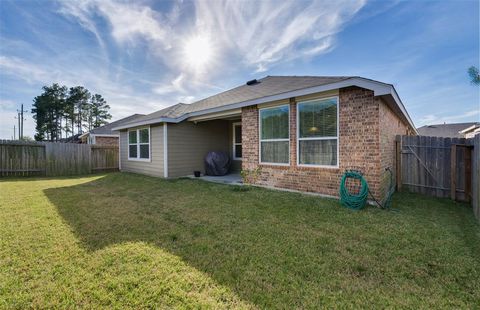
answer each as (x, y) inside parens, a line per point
(104, 134)
(456, 130)
(292, 132)
(471, 131)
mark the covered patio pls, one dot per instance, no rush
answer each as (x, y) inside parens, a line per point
(224, 135)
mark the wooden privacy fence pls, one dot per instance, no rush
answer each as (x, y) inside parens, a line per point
(440, 167)
(55, 159)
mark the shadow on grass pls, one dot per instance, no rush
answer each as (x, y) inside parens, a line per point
(14, 178)
(274, 249)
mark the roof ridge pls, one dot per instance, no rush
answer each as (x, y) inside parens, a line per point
(443, 124)
(315, 76)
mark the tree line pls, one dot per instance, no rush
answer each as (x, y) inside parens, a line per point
(62, 112)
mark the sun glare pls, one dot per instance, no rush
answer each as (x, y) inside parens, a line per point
(198, 52)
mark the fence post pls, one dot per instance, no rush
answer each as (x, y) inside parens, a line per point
(468, 172)
(453, 171)
(476, 177)
(90, 158)
(398, 163)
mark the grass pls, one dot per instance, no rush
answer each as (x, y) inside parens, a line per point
(128, 241)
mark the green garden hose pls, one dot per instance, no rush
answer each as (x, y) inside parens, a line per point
(359, 200)
(349, 200)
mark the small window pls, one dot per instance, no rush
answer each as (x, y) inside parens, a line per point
(274, 135)
(318, 132)
(237, 140)
(139, 144)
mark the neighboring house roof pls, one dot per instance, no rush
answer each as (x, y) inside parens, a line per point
(107, 129)
(268, 89)
(445, 130)
(472, 129)
(72, 139)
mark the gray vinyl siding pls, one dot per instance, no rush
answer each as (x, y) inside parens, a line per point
(188, 143)
(153, 167)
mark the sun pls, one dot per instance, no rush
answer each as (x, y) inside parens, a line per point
(198, 52)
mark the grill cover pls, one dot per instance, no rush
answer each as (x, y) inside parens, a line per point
(217, 163)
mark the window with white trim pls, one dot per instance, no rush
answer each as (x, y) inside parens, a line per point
(139, 144)
(237, 140)
(275, 135)
(317, 129)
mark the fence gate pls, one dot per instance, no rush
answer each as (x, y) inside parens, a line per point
(435, 166)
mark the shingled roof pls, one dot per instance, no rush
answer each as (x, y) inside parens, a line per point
(173, 111)
(269, 88)
(444, 130)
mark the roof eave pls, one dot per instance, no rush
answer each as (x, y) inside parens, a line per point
(152, 121)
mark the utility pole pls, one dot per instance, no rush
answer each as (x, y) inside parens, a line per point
(14, 137)
(18, 117)
(20, 122)
(21, 114)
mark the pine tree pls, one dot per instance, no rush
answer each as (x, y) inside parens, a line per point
(49, 110)
(60, 110)
(99, 111)
(77, 103)
(474, 75)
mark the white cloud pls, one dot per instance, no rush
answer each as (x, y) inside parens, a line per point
(264, 33)
(175, 86)
(7, 105)
(79, 10)
(16, 66)
(122, 98)
(186, 99)
(259, 34)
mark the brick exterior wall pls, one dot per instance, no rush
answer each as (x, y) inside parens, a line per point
(106, 140)
(363, 145)
(390, 127)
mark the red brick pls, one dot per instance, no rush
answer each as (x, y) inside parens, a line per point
(367, 129)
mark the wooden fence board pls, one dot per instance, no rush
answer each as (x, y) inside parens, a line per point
(54, 159)
(104, 158)
(440, 167)
(21, 160)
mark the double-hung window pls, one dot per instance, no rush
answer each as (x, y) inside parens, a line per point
(317, 129)
(139, 144)
(274, 135)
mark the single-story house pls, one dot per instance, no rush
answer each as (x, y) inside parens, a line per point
(453, 130)
(293, 132)
(104, 135)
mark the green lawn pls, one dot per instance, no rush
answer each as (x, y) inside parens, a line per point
(125, 240)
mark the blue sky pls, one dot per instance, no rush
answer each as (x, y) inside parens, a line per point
(146, 55)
